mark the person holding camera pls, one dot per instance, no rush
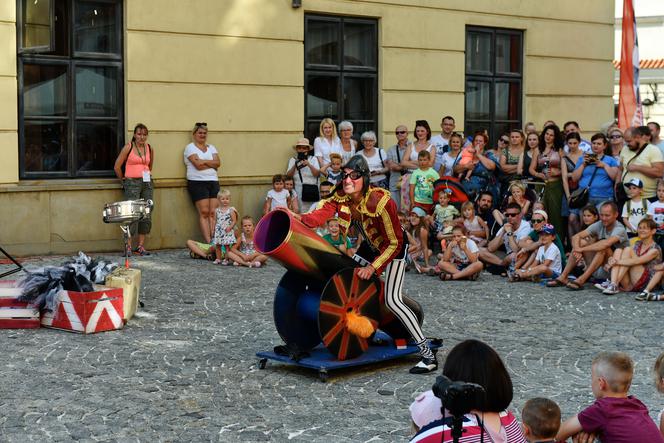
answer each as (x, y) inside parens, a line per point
(469, 400)
(304, 169)
(597, 171)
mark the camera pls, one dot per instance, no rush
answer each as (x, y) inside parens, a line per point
(458, 397)
(302, 156)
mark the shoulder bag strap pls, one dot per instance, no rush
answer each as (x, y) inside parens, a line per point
(592, 177)
(631, 160)
(380, 156)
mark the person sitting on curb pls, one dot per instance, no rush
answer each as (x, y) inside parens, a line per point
(595, 245)
(513, 231)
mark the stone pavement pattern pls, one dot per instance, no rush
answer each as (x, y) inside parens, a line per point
(185, 369)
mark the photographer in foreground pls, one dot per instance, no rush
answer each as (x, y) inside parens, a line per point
(304, 169)
(478, 389)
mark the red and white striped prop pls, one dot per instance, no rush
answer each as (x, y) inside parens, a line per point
(87, 312)
(15, 314)
(630, 112)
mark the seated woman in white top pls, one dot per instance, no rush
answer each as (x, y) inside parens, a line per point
(327, 143)
(202, 161)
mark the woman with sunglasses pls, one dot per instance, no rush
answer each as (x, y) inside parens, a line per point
(617, 143)
(202, 161)
(373, 213)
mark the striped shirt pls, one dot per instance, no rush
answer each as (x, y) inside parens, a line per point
(510, 431)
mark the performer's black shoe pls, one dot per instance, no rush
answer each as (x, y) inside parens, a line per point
(425, 366)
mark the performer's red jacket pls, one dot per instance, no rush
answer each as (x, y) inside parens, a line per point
(379, 220)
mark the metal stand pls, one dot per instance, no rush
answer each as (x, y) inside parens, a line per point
(126, 234)
(19, 267)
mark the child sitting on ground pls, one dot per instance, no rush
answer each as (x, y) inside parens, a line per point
(478, 230)
(289, 185)
(636, 208)
(460, 259)
(540, 420)
(224, 229)
(333, 173)
(547, 261)
(616, 416)
(335, 238)
(243, 253)
(418, 239)
(277, 197)
(444, 214)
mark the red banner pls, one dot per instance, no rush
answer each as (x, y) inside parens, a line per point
(629, 105)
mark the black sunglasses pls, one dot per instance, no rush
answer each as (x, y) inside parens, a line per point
(354, 175)
(503, 140)
(512, 214)
(537, 220)
(200, 124)
(400, 132)
(616, 136)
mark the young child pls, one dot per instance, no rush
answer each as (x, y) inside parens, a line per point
(517, 195)
(478, 230)
(636, 208)
(616, 416)
(589, 215)
(224, 230)
(546, 263)
(289, 185)
(657, 212)
(333, 173)
(468, 158)
(334, 237)
(659, 383)
(540, 420)
(418, 239)
(277, 197)
(243, 252)
(421, 183)
(461, 257)
(444, 215)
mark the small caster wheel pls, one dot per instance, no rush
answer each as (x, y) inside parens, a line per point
(262, 363)
(323, 375)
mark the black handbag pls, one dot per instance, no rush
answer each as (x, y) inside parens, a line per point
(579, 198)
(309, 192)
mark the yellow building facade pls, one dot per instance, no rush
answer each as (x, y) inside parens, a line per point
(239, 66)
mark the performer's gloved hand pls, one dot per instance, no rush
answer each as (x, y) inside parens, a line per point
(366, 272)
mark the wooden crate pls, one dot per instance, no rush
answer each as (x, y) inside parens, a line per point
(130, 281)
(87, 312)
(15, 314)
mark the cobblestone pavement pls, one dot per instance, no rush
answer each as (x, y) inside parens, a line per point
(185, 369)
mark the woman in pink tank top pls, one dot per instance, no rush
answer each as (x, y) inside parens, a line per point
(137, 158)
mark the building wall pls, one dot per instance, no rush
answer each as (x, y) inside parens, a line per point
(238, 65)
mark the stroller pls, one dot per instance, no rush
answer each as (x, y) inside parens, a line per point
(458, 195)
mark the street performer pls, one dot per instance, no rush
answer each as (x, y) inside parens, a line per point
(374, 214)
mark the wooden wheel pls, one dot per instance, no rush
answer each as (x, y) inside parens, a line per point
(345, 293)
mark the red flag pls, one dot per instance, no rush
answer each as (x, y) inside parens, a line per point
(629, 105)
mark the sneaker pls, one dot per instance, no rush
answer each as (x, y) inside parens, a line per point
(425, 366)
(611, 290)
(604, 285)
(643, 296)
(217, 262)
(224, 262)
(257, 264)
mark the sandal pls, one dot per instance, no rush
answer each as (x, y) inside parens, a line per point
(141, 251)
(445, 276)
(555, 283)
(654, 297)
(574, 286)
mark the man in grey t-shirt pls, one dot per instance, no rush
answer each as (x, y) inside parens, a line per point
(595, 245)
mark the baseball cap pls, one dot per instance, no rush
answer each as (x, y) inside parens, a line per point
(548, 229)
(418, 211)
(634, 182)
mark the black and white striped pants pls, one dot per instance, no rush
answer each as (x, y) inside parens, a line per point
(394, 277)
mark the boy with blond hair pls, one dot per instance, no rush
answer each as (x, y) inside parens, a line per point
(616, 416)
(540, 418)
